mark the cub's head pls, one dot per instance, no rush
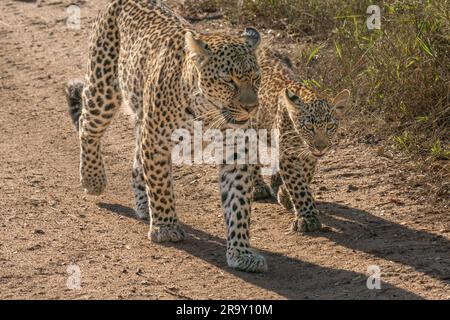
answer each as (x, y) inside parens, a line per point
(228, 74)
(316, 120)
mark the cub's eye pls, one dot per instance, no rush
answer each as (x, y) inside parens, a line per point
(309, 126)
(256, 80)
(331, 126)
(257, 75)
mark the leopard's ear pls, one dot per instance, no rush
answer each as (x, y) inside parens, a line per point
(294, 103)
(197, 50)
(252, 37)
(340, 102)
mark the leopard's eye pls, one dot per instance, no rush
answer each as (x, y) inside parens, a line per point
(229, 82)
(227, 79)
(331, 126)
(224, 76)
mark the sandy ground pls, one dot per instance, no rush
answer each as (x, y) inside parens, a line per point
(374, 212)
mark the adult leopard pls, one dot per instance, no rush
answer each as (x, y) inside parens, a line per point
(145, 55)
(307, 123)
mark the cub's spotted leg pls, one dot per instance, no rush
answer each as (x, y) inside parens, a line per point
(283, 197)
(137, 179)
(261, 190)
(157, 168)
(294, 174)
(236, 193)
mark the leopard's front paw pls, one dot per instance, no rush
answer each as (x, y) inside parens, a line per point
(246, 260)
(166, 232)
(262, 192)
(142, 211)
(306, 223)
(93, 184)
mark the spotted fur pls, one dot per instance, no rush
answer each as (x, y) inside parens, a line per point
(307, 122)
(148, 57)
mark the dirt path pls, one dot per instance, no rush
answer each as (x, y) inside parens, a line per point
(375, 211)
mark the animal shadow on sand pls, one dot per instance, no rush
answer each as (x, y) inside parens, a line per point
(362, 231)
(288, 277)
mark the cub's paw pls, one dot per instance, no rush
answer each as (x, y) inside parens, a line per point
(246, 260)
(166, 233)
(93, 184)
(307, 223)
(284, 199)
(262, 192)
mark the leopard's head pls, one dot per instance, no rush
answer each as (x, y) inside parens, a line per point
(315, 119)
(228, 74)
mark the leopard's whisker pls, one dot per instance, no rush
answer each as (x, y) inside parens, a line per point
(206, 115)
(215, 123)
(291, 134)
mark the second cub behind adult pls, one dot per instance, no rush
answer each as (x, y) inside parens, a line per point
(307, 122)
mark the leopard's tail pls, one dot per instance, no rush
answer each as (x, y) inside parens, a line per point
(74, 90)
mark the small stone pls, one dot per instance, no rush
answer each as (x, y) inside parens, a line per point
(380, 150)
(35, 247)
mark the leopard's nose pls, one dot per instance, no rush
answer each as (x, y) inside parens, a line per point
(249, 103)
(251, 108)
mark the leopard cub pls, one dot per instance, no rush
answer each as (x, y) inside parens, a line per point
(307, 123)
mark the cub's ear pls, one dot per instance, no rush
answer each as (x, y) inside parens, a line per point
(252, 37)
(340, 102)
(197, 50)
(294, 103)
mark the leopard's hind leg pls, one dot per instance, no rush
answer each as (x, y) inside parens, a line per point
(101, 98)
